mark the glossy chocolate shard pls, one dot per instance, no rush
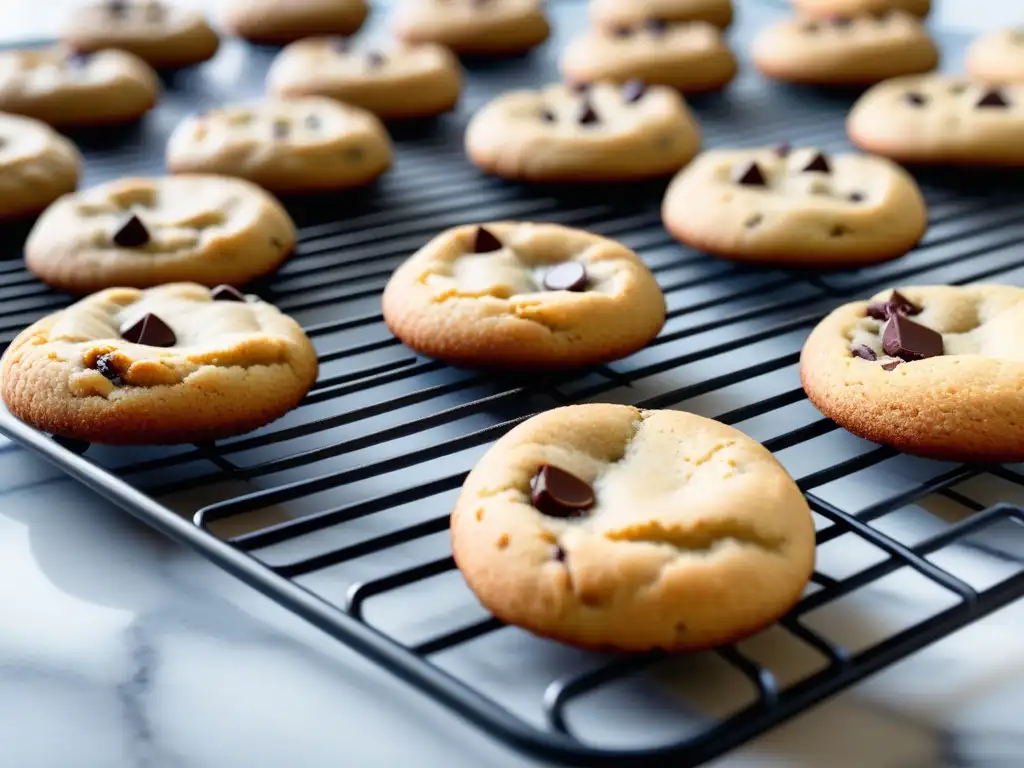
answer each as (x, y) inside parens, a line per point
(485, 242)
(557, 493)
(907, 340)
(568, 276)
(897, 303)
(151, 331)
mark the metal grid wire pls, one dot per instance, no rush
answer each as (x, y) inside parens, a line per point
(364, 471)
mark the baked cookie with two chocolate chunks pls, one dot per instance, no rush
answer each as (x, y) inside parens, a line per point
(163, 35)
(845, 50)
(997, 57)
(141, 232)
(393, 81)
(71, 90)
(610, 527)
(604, 133)
(473, 27)
(174, 364)
(288, 146)
(612, 14)
(37, 165)
(689, 56)
(284, 21)
(523, 296)
(934, 371)
(941, 120)
(828, 8)
(797, 207)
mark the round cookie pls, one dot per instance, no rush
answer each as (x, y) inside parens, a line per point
(826, 8)
(609, 14)
(141, 232)
(997, 57)
(934, 371)
(795, 207)
(610, 527)
(284, 21)
(37, 165)
(174, 364)
(606, 133)
(165, 36)
(64, 89)
(298, 145)
(473, 27)
(937, 119)
(845, 50)
(523, 296)
(690, 56)
(398, 81)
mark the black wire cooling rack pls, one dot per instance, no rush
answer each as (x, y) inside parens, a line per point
(339, 511)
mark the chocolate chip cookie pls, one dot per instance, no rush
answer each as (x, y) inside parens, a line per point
(274, 21)
(997, 57)
(604, 133)
(826, 8)
(174, 364)
(288, 146)
(393, 81)
(141, 232)
(933, 370)
(689, 56)
(37, 165)
(523, 296)
(610, 14)
(937, 119)
(70, 90)
(473, 27)
(845, 50)
(795, 206)
(610, 527)
(165, 36)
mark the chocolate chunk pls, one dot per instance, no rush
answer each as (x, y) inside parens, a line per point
(783, 149)
(557, 493)
(817, 164)
(915, 98)
(890, 366)
(281, 129)
(623, 32)
(750, 175)
(557, 553)
(863, 352)
(547, 116)
(896, 304)
(151, 331)
(569, 276)
(993, 97)
(855, 197)
(907, 340)
(375, 59)
(105, 365)
(656, 26)
(312, 122)
(486, 242)
(226, 293)
(633, 91)
(587, 115)
(132, 233)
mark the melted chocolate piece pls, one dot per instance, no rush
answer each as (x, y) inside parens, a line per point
(863, 352)
(633, 91)
(151, 331)
(587, 115)
(569, 276)
(993, 97)
(750, 175)
(855, 197)
(226, 293)
(547, 116)
(896, 304)
(907, 340)
(890, 366)
(817, 164)
(557, 553)
(557, 493)
(485, 242)
(105, 365)
(132, 233)
(916, 99)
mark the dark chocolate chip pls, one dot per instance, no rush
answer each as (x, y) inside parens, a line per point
(77, 60)
(71, 444)
(855, 197)
(623, 32)
(890, 366)
(587, 115)
(783, 149)
(817, 164)
(633, 91)
(558, 493)
(993, 97)
(151, 331)
(896, 304)
(568, 276)
(132, 233)
(547, 116)
(907, 340)
(750, 175)
(915, 98)
(863, 352)
(312, 122)
(656, 26)
(281, 129)
(105, 365)
(375, 59)
(226, 293)
(557, 553)
(485, 242)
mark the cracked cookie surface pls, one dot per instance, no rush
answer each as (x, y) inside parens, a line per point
(845, 50)
(212, 364)
(826, 8)
(997, 57)
(606, 133)
(473, 27)
(942, 380)
(37, 165)
(610, 14)
(274, 21)
(287, 146)
(694, 534)
(62, 89)
(523, 295)
(689, 56)
(795, 206)
(141, 232)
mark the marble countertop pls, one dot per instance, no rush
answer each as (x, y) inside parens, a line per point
(122, 649)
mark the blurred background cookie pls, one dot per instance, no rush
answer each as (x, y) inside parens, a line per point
(610, 14)
(284, 21)
(37, 165)
(473, 27)
(997, 57)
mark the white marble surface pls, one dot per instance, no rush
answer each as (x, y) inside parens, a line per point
(121, 649)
